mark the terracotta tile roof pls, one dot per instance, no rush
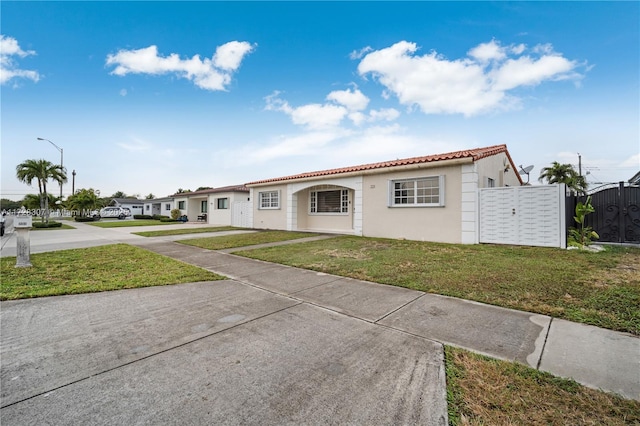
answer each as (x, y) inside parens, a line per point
(474, 154)
(232, 188)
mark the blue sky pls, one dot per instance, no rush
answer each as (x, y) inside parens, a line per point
(149, 97)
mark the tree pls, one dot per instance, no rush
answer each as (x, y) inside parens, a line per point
(42, 171)
(83, 201)
(119, 194)
(201, 188)
(183, 191)
(7, 204)
(563, 173)
(149, 196)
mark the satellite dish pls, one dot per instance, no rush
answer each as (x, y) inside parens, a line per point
(525, 170)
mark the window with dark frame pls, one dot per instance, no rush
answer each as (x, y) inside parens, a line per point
(223, 203)
(329, 201)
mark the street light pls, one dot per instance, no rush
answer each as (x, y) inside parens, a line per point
(61, 165)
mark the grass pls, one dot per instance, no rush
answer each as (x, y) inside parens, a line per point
(242, 240)
(115, 223)
(601, 289)
(485, 391)
(104, 268)
(188, 230)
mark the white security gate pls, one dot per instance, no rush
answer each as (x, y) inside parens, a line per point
(525, 215)
(241, 214)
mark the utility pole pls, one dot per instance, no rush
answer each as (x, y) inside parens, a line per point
(73, 183)
(580, 164)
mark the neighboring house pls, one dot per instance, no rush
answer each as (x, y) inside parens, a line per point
(430, 198)
(136, 206)
(227, 205)
(159, 206)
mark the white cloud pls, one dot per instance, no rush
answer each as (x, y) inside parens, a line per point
(123, 92)
(485, 52)
(354, 100)
(136, 145)
(311, 116)
(210, 74)
(358, 54)
(350, 103)
(633, 161)
(478, 83)
(9, 70)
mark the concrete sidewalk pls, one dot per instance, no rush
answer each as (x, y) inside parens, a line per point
(598, 358)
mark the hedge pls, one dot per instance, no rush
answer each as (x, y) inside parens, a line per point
(142, 216)
(51, 224)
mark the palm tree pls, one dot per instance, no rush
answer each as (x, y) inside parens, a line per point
(563, 173)
(83, 201)
(42, 171)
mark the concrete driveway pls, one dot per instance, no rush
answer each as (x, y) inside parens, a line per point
(219, 352)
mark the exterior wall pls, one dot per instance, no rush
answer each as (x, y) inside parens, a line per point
(270, 218)
(322, 221)
(157, 206)
(218, 216)
(186, 205)
(439, 224)
(194, 207)
(303, 219)
(493, 167)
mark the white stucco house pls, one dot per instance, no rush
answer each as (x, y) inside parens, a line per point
(133, 204)
(159, 206)
(227, 205)
(430, 198)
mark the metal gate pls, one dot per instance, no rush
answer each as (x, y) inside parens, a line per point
(526, 215)
(617, 213)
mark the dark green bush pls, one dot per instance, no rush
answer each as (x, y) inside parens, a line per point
(142, 216)
(160, 217)
(168, 219)
(86, 218)
(51, 224)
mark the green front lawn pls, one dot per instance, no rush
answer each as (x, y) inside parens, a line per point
(243, 240)
(89, 270)
(187, 230)
(601, 289)
(115, 223)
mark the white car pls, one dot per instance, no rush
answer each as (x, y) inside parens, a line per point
(115, 212)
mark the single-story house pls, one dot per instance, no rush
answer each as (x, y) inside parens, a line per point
(217, 206)
(133, 204)
(159, 206)
(430, 198)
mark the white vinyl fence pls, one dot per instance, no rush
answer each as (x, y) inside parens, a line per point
(525, 215)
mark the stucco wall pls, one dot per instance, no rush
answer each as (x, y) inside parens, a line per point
(323, 222)
(270, 218)
(440, 224)
(493, 167)
(218, 216)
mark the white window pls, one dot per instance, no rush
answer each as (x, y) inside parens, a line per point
(269, 200)
(333, 201)
(203, 206)
(223, 203)
(491, 183)
(181, 205)
(418, 192)
(167, 206)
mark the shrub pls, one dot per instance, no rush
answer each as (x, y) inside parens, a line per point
(167, 219)
(51, 224)
(86, 218)
(142, 216)
(175, 213)
(159, 217)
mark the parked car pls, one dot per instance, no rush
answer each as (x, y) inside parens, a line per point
(115, 212)
(2, 226)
